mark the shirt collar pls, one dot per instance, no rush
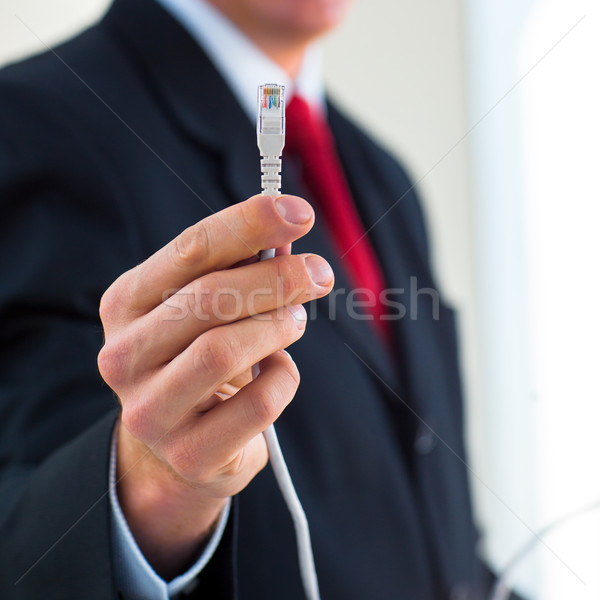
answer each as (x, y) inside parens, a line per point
(243, 66)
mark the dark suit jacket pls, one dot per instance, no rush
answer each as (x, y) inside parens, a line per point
(108, 149)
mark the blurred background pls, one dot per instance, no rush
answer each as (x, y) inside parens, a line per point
(494, 107)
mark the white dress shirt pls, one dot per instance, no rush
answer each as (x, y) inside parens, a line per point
(244, 67)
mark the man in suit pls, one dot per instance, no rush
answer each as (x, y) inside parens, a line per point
(127, 158)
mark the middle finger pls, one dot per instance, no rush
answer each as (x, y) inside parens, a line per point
(226, 296)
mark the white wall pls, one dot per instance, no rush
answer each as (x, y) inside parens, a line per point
(508, 507)
(50, 20)
(535, 158)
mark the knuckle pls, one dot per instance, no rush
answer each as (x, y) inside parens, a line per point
(264, 405)
(113, 360)
(116, 300)
(217, 354)
(198, 300)
(227, 305)
(137, 420)
(192, 245)
(219, 300)
(182, 457)
(180, 304)
(294, 278)
(287, 279)
(251, 217)
(104, 308)
(109, 304)
(248, 214)
(185, 458)
(236, 466)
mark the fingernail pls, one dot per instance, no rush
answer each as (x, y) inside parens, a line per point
(319, 270)
(297, 311)
(293, 209)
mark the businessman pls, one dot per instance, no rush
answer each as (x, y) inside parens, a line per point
(131, 442)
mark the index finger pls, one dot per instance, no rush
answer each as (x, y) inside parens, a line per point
(217, 242)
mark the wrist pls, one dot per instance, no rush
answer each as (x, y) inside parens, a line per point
(170, 519)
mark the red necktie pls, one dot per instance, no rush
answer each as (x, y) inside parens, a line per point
(309, 137)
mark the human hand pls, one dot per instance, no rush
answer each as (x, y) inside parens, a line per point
(182, 331)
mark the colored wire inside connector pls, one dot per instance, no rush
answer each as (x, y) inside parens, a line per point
(271, 96)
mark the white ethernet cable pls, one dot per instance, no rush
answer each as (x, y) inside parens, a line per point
(270, 134)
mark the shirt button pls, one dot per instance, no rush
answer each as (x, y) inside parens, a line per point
(425, 440)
